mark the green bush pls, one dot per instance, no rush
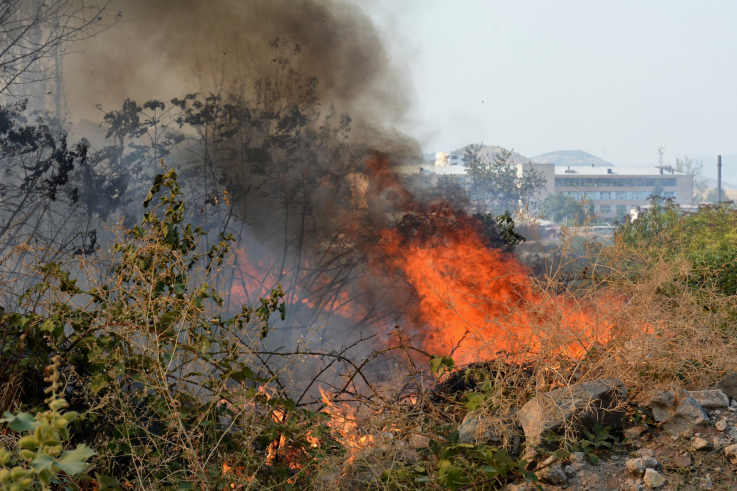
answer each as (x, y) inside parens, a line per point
(40, 444)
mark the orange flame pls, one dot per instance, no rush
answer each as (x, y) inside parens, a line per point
(343, 422)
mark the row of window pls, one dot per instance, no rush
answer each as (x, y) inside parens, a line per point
(578, 182)
(620, 210)
(615, 195)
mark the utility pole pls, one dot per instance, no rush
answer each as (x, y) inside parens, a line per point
(719, 179)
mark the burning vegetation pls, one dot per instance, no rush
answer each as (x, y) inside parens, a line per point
(234, 287)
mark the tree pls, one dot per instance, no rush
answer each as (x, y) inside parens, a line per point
(564, 209)
(33, 32)
(657, 192)
(496, 187)
(687, 165)
(712, 196)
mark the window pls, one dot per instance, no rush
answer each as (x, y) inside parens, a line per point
(621, 196)
(605, 209)
(621, 210)
(669, 194)
(605, 195)
(579, 182)
(639, 195)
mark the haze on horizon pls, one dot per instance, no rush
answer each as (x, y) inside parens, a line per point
(615, 79)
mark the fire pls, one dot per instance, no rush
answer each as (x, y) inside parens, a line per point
(472, 301)
(343, 422)
(475, 301)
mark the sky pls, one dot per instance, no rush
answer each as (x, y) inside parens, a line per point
(618, 79)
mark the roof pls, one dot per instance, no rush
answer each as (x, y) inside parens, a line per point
(612, 171)
(575, 158)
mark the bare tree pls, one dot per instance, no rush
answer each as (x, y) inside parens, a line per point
(34, 31)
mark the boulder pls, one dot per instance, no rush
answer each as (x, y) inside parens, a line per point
(579, 405)
(663, 405)
(710, 399)
(728, 385)
(688, 415)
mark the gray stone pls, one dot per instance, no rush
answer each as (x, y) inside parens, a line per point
(728, 385)
(731, 453)
(578, 457)
(653, 479)
(663, 405)
(688, 415)
(722, 425)
(732, 434)
(579, 405)
(570, 471)
(710, 399)
(476, 428)
(553, 473)
(699, 444)
(638, 466)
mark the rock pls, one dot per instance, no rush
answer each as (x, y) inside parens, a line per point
(682, 462)
(645, 452)
(710, 399)
(732, 434)
(570, 471)
(638, 466)
(663, 405)
(699, 444)
(474, 429)
(634, 432)
(688, 415)
(722, 425)
(581, 404)
(728, 385)
(578, 460)
(578, 457)
(551, 472)
(653, 479)
(731, 453)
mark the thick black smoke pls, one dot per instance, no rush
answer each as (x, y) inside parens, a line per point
(165, 48)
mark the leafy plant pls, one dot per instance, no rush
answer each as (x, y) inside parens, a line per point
(593, 440)
(40, 444)
(454, 465)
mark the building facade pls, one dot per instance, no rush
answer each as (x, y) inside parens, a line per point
(615, 191)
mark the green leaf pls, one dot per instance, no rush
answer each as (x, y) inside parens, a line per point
(98, 382)
(21, 422)
(440, 364)
(473, 400)
(74, 461)
(42, 462)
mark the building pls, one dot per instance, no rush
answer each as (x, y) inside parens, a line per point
(615, 191)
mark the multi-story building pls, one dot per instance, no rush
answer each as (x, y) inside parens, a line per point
(615, 191)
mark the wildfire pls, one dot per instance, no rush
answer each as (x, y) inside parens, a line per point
(343, 422)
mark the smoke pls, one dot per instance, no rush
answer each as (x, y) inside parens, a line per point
(165, 48)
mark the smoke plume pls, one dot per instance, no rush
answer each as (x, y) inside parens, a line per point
(165, 48)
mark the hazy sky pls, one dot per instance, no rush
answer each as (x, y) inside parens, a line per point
(614, 78)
